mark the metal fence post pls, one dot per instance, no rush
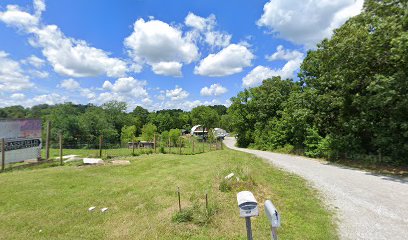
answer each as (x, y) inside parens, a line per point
(47, 141)
(100, 145)
(3, 154)
(133, 145)
(192, 141)
(60, 147)
(154, 142)
(180, 145)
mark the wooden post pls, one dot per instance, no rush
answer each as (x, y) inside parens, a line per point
(133, 146)
(154, 142)
(192, 141)
(60, 147)
(221, 147)
(169, 145)
(3, 154)
(47, 141)
(100, 145)
(180, 146)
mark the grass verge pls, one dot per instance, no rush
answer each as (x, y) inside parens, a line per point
(52, 203)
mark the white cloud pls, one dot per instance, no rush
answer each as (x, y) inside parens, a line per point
(204, 30)
(156, 42)
(76, 58)
(50, 99)
(21, 99)
(17, 96)
(39, 74)
(39, 7)
(69, 84)
(88, 93)
(128, 87)
(34, 61)
(167, 68)
(74, 86)
(282, 54)
(12, 77)
(177, 94)
(230, 60)
(147, 101)
(14, 16)
(198, 22)
(214, 90)
(68, 56)
(217, 39)
(307, 22)
(258, 74)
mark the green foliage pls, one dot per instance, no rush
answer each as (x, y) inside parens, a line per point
(174, 136)
(94, 123)
(185, 215)
(128, 134)
(242, 180)
(312, 142)
(206, 116)
(351, 98)
(148, 132)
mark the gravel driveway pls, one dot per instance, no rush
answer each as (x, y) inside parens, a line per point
(368, 206)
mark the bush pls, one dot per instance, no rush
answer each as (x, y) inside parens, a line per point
(242, 180)
(312, 143)
(286, 149)
(185, 215)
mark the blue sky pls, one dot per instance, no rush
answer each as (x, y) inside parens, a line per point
(157, 54)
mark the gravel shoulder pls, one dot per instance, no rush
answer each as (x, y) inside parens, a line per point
(368, 206)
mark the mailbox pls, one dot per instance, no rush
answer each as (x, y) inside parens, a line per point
(248, 206)
(272, 214)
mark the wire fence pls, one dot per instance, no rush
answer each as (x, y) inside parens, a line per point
(184, 145)
(59, 152)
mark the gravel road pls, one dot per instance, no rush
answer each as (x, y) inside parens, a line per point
(368, 206)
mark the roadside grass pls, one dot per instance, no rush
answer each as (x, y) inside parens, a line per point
(52, 203)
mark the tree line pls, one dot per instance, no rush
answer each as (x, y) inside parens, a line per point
(84, 124)
(351, 99)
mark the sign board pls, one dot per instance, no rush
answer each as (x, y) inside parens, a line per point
(22, 137)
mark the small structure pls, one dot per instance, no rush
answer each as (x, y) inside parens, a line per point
(199, 132)
(220, 133)
(141, 144)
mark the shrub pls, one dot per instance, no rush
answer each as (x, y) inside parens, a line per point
(185, 215)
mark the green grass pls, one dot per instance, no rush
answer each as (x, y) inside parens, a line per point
(52, 203)
(187, 149)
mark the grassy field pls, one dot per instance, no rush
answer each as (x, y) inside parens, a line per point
(186, 149)
(52, 203)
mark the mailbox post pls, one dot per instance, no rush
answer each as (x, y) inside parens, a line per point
(273, 217)
(248, 207)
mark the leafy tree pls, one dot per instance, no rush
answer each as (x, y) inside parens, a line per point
(220, 109)
(148, 132)
(164, 138)
(128, 134)
(174, 135)
(206, 116)
(15, 112)
(116, 113)
(64, 118)
(94, 123)
(360, 77)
